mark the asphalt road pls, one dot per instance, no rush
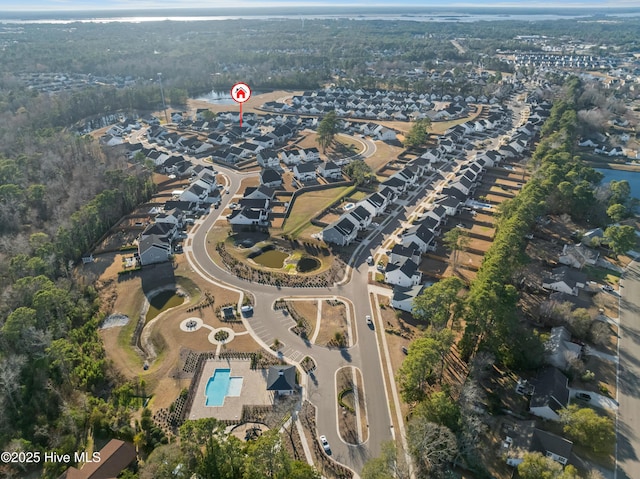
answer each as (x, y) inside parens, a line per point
(267, 324)
(628, 422)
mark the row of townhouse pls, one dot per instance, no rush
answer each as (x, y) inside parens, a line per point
(449, 146)
(345, 229)
(402, 270)
(363, 104)
(226, 140)
(155, 243)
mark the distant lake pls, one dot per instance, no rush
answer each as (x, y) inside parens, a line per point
(217, 98)
(633, 177)
(595, 10)
(222, 97)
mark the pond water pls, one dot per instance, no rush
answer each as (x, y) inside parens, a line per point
(633, 177)
(271, 259)
(221, 97)
(161, 302)
(307, 264)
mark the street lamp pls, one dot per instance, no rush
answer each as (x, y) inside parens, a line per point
(164, 105)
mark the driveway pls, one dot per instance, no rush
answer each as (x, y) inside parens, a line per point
(628, 420)
(597, 400)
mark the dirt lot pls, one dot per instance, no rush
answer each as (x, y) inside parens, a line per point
(252, 181)
(400, 330)
(307, 310)
(334, 321)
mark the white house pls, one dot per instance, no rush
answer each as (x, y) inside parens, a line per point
(304, 172)
(153, 249)
(397, 184)
(385, 134)
(172, 216)
(399, 253)
(577, 255)
(404, 273)
(291, 157)
(271, 178)
(329, 170)
(565, 280)
(310, 154)
(403, 297)
(360, 216)
(377, 202)
(268, 158)
(249, 216)
(195, 193)
(421, 235)
(341, 232)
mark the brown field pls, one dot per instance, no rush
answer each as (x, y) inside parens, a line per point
(309, 311)
(126, 295)
(329, 217)
(469, 259)
(334, 319)
(383, 155)
(433, 267)
(252, 181)
(250, 105)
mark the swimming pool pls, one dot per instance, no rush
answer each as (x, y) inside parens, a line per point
(221, 385)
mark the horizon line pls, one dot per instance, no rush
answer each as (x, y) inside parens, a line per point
(586, 6)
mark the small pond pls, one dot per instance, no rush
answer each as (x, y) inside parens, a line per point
(307, 264)
(163, 301)
(271, 259)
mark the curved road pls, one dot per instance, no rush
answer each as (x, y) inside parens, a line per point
(267, 324)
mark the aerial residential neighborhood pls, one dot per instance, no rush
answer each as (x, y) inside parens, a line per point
(402, 245)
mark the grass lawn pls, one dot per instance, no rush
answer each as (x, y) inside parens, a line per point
(308, 205)
(602, 275)
(358, 196)
(384, 154)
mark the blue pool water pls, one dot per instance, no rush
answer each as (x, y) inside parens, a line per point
(220, 385)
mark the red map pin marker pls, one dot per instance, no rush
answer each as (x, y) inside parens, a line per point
(240, 92)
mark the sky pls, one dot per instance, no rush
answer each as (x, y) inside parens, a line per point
(61, 5)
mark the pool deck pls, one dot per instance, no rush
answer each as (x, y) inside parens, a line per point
(254, 390)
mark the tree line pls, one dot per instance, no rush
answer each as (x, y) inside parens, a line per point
(444, 426)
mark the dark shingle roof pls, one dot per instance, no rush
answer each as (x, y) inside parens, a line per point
(281, 378)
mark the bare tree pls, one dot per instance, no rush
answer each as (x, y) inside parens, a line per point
(431, 445)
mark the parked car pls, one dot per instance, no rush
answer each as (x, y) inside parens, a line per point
(583, 397)
(405, 350)
(325, 444)
(607, 288)
(370, 260)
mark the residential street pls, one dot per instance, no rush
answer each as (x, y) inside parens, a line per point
(267, 324)
(628, 423)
